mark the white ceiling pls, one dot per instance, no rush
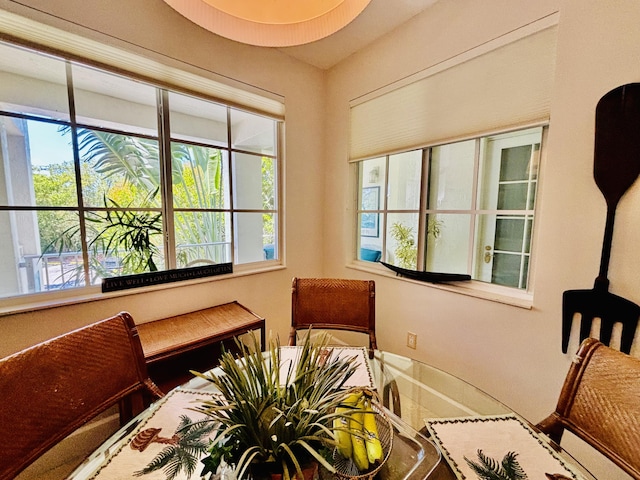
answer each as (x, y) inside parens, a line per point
(378, 18)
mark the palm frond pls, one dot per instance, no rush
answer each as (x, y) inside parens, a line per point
(160, 461)
(488, 468)
(512, 468)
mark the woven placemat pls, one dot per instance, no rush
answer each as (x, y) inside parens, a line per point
(495, 436)
(157, 436)
(361, 378)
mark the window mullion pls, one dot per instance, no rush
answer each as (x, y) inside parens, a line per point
(164, 134)
(385, 213)
(473, 248)
(232, 218)
(422, 214)
(78, 174)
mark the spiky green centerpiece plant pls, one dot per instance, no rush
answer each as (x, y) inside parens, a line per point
(273, 422)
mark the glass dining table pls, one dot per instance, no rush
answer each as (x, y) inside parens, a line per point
(444, 428)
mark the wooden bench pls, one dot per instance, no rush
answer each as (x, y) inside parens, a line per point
(192, 341)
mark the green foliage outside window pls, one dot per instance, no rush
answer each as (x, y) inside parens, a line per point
(125, 171)
(406, 251)
(121, 176)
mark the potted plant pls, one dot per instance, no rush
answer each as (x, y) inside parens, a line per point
(273, 422)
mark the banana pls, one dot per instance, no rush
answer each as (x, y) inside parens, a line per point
(352, 398)
(341, 424)
(359, 449)
(341, 433)
(374, 447)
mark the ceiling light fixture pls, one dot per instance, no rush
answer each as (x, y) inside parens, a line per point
(271, 23)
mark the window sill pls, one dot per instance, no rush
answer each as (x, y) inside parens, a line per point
(484, 291)
(43, 301)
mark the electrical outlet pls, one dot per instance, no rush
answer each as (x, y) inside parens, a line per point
(412, 340)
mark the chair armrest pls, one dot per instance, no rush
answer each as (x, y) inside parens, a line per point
(391, 390)
(153, 389)
(553, 427)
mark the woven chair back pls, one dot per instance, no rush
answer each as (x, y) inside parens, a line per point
(600, 403)
(51, 389)
(333, 303)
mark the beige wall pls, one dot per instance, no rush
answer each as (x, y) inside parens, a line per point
(511, 352)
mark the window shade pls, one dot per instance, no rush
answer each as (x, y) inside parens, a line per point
(29, 30)
(510, 85)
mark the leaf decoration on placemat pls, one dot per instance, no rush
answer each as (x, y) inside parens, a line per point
(488, 468)
(184, 449)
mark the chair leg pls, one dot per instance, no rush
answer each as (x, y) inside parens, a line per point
(373, 344)
(126, 409)
(292, 337)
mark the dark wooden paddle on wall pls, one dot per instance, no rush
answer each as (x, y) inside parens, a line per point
(616, 167)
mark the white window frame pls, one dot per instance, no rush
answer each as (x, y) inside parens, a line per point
(502, 294)
(206, 89)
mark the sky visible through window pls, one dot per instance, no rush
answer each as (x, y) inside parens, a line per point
(48, 145)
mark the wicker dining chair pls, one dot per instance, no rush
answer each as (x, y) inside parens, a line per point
(339, 304)
(51, 389)
(334, 304)
(600, 403)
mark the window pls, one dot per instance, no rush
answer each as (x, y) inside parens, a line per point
(104, 175)
(465, 207)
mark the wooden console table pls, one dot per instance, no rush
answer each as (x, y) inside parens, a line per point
(192, 341)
